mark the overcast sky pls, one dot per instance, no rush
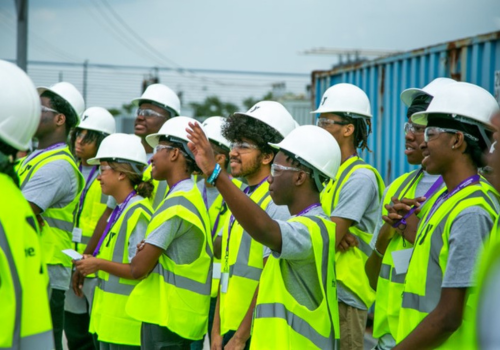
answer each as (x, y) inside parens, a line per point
(256, 35)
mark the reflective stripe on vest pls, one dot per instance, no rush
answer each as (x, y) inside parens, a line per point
(429, 259)
(348, 264)
(4, 245)
(241, 267)
(113, 284)
(272, 310)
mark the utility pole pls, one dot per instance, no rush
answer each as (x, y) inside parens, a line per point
(22, 34)
(85, 69)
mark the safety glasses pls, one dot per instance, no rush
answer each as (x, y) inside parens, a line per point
(325, 122)
(158, 148)
(414, 129)
(242, 147)
(277, 169)
(148, 113)
(434, 131)
(47, 109)
(103, 168)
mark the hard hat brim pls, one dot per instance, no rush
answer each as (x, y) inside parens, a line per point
(153, 139)
(137, 101)
(408, 95)
(297, 157)
(355, 115)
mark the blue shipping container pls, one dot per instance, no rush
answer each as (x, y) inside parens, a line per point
(475, 60)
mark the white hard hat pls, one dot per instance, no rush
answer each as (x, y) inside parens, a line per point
(345, 98)
(302, 143)
(162, 95)
(123, 147)
(174, 130)
(273, 114)
(98, 119)
(70, 94)
(408, 95)
(468, 103)
(20, 106)
(213, 129)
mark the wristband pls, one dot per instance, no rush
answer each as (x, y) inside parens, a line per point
(215, 174)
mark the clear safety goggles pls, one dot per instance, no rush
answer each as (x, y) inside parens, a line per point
(148, 113)
(415, 129)
(277, 169)
(242, 147)
(47, 109)
(103, 168)
(432, 132)
(325, 122)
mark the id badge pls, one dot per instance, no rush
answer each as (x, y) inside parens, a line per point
(224, 281)
(77, 235)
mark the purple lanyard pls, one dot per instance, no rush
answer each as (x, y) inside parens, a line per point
(351, 156)
(445, 196)
(50, 148)
(232, 218)
(435, 186)
(308, 209)
(88, 182)
(112, 220)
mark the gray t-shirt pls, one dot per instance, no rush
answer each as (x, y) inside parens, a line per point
(275, 212)
(423, 185)
(359, 202)
(139, 231)
(209, 193)
(468, 232)
(53, 186)
(181, 240)
(298, 266)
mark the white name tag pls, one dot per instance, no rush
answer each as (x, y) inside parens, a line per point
(77, 235)
(73, 254)
(224, 281)
(401, 259)
(216, 270)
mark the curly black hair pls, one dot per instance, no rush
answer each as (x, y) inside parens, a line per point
(63, 107)
(238, 127)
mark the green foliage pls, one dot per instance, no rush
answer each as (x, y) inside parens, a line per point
(213, 106)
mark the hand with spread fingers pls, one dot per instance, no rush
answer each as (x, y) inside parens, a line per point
(201, 148)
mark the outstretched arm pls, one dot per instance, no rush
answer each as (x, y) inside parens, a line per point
(252, 218)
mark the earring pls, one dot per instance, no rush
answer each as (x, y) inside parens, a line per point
(453, 147)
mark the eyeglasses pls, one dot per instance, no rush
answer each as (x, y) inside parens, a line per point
(277, 169)
(324, 122)
(158, 148)
(242, 147)
(47, 109)
(433, 132)
(148, 113)
(415, 129)
(103, 168)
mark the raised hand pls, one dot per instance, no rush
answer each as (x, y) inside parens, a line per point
(201, 148)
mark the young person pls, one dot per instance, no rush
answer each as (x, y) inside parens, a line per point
(352, 203)
(97, 123)
(217, 207)
(51, 182)
(24, 314)
(296, 305)
(452, 231)
(122, 159)
(172, 301)
(242, 257)
(379, 267)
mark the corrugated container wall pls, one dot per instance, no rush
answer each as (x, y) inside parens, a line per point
(475, 60)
